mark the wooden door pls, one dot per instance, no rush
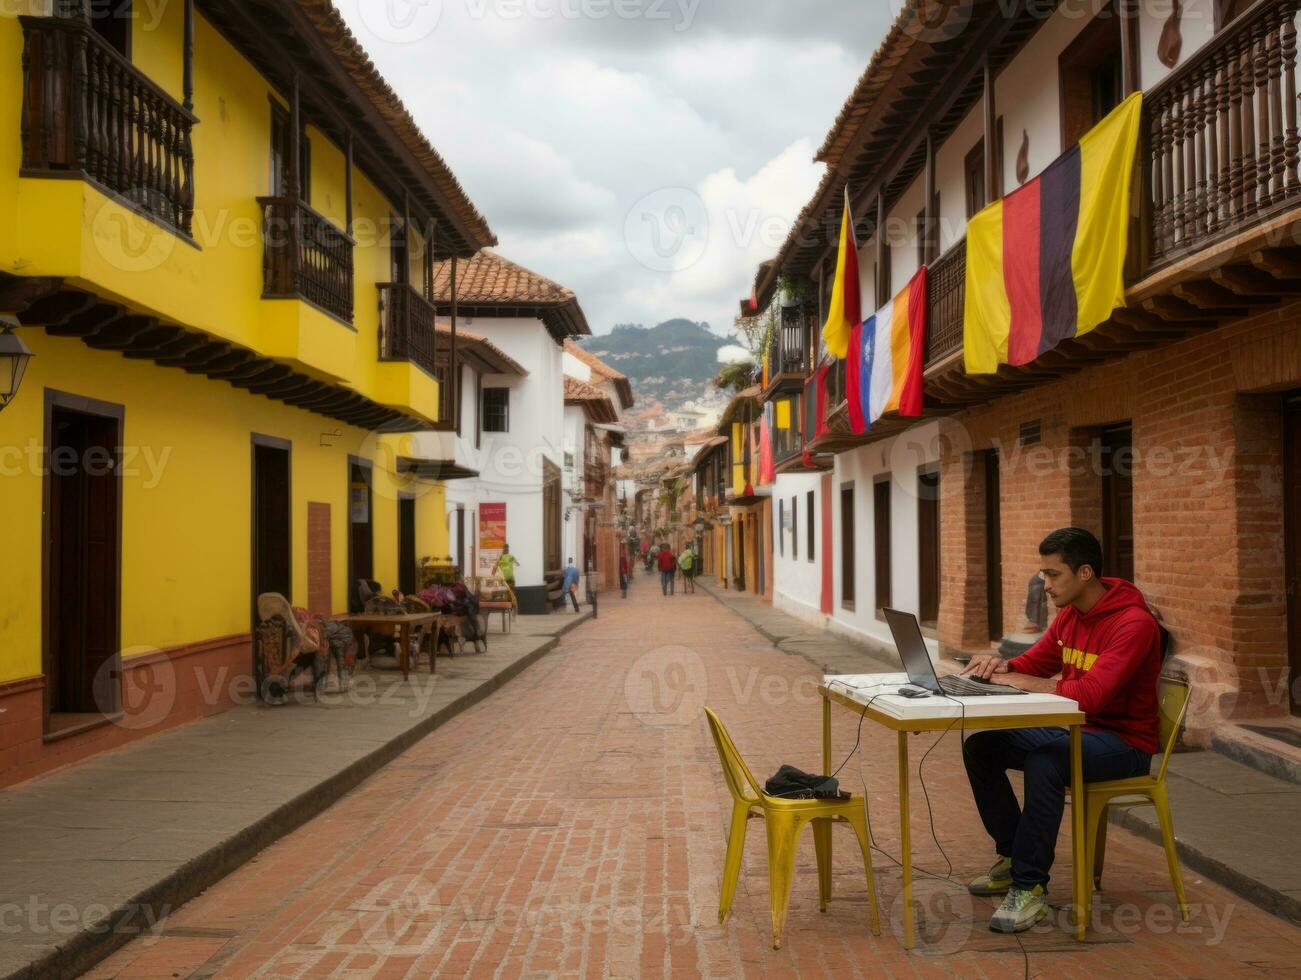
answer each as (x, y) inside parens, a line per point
(83, 558)
(407, 545)
(881, 542)
(928, 545)
(847, 550)
(1118, 502)
(361, 541)
(551, 517)
(993, 545)
(1292, 542)
(272, 519)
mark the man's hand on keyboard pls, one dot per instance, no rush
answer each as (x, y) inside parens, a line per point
(985, 666)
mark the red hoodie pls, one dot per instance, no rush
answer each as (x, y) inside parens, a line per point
(1110, 659)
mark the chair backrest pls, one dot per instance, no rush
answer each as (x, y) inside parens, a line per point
(735, 771)
(1172, 703)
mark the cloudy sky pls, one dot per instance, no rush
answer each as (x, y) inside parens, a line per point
(646, 153)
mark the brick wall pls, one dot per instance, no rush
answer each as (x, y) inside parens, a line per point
(319, 592)
(1206, 415)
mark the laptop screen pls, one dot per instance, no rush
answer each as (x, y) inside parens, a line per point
(907, 635)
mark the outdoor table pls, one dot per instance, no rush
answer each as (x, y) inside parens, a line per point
(863, 695)
(402, 626)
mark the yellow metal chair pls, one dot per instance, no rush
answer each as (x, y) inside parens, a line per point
(784, 821)
(1137, 791)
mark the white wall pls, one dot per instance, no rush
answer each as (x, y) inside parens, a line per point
(575, 421)
(899, 458)
(797, 582)
(510, 463)
(1196, 27)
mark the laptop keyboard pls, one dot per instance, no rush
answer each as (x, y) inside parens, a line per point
(967, 687)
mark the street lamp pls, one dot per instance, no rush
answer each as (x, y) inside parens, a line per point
(14, 356)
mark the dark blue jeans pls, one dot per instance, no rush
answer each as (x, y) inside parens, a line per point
(1029, 836)
(666, 582)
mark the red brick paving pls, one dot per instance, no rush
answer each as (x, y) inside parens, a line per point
(572, 825)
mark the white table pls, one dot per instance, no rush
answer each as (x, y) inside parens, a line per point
(865, 695)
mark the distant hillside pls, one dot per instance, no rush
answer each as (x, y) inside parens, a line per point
(673, 361)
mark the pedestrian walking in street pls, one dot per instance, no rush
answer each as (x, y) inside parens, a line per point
(570, 584)
(506, 566)
(687, 562)
(625, 571)
(668, 568)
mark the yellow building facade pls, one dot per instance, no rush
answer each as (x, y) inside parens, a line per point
(231, 329)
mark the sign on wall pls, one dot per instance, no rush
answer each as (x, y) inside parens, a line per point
(492, 536)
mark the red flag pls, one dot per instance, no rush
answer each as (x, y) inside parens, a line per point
(820, 401)
(853, 376)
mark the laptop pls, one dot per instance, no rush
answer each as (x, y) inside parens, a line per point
(907, 633)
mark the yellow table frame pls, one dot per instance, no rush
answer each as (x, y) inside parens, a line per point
(1071, 720)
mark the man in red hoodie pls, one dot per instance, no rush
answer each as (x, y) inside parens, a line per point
(1106, 644)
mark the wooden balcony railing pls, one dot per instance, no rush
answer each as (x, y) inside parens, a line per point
(789, 350)
(1220, 135)
(946, 291)
(406, 326)
(87, 110)
(305, 256)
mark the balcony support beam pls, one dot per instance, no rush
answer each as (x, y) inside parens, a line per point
(347, 183)
(930, 217)
(993, 152)
(187, 71)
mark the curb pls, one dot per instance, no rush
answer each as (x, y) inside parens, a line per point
(85, 949)
(1260, 895)
(1256, 756)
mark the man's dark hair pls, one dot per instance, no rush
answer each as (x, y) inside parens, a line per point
(1077, 547)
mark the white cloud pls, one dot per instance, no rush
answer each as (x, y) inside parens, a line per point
(561, 116)
(732, 353)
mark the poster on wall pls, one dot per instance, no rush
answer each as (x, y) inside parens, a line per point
(492, 536)
(359, 503)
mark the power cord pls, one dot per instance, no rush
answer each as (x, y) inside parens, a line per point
(961, 720)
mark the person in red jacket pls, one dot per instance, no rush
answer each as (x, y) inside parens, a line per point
(668, 565)
(1107, 646)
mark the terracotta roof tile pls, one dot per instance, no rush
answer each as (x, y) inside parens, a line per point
(492, 281)
(490, 278)
(621, 382)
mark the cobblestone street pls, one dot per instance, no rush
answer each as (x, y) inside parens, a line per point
(573, 824)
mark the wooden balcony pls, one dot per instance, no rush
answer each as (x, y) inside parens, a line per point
(1218, 199)
(406, 333)
(790, 354)
(306, 257)
(87, 112)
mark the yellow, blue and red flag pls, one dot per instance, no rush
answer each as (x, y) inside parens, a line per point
(884, 370)
(1046, 263)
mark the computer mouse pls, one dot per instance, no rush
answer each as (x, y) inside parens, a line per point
(914, 692)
